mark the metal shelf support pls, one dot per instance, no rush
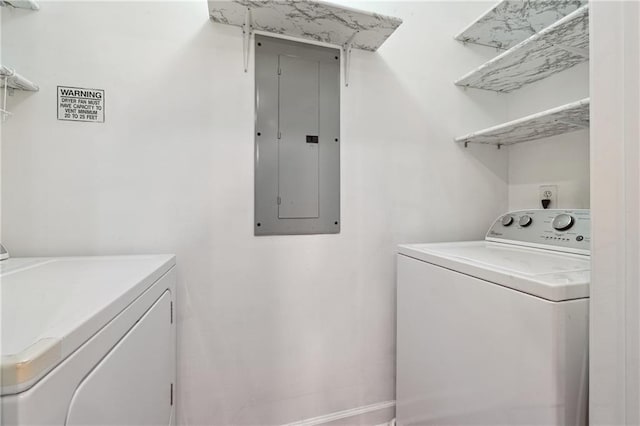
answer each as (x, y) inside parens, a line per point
(346, 49)
(247, 30)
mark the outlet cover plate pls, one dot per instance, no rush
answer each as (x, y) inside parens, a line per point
(549, 192)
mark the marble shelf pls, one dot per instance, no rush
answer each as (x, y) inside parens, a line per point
(513, 21)
(15, 80)
(556, 121)
(554, 49)
(20, 4)
(311, 20)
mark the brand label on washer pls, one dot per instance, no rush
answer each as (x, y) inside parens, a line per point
(80, 104)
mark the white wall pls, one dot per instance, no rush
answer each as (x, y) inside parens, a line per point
(272, 329)
(615, 187)
(559, 160)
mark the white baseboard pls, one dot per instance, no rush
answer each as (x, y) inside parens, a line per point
(339, 415)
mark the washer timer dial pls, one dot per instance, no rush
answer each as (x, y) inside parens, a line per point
(562, 222)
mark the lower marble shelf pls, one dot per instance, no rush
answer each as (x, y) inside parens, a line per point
(556, 121)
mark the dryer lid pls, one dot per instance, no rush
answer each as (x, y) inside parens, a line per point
(551, 275)
(51, 306)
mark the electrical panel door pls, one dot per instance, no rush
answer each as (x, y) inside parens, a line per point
(297, 156)
(298, 139)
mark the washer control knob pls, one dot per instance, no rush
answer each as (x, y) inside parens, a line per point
(562, 222)
(525, 221)
(507, 220)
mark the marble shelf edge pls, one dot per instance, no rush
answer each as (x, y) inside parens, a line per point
(510, 22)
(21, 4)
(555, 121)
(554, 49)
(318, 21)
(16, 81)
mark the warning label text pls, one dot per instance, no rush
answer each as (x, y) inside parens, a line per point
(78, 104)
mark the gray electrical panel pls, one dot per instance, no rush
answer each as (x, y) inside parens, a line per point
(297, 148)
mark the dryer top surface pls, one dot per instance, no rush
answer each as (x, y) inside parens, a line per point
(51, 306)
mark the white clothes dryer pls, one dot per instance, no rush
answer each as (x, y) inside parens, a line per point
(88, 340)
(495, 332)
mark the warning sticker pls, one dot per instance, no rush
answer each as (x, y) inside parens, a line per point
(78, 104)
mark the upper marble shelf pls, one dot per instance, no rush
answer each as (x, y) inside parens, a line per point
(564, 119)
(512, 21)
(311, 20)
(15, 80)
(554, 49)
(20, 4)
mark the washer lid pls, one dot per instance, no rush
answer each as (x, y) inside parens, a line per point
(547, 274)
(51, 306)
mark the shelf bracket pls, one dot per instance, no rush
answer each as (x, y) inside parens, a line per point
(346, 49)
(575, 50)
(466, 144)
(247, 30)
(499, 145)
(3, 112)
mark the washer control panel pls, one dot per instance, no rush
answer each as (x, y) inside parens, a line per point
(564, 230)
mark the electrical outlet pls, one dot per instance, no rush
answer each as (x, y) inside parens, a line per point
(549, 192)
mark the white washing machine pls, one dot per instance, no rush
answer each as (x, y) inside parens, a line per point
(88, 340)
(495, 332)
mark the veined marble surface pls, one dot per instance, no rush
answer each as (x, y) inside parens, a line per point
(21, 4)
(15, 80)
(552, 50)
(512, 21)
(556, 121)
(314, 20)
